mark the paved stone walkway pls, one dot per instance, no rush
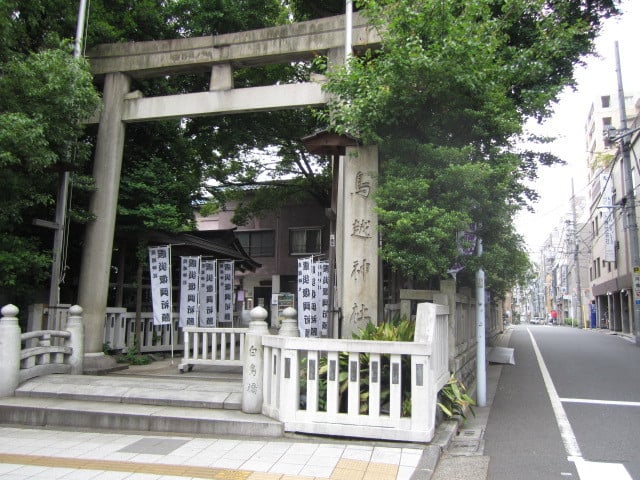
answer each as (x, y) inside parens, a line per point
(39, 454)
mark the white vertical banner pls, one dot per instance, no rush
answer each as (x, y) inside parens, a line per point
(305, 296)
(225, 291)
(208, 293)
(313, 298)
(608, 225)
(189, 271)
(322, 270)
(160, 271)
(314, 317)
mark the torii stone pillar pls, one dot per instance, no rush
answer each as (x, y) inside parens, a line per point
(357, 239)
(96, 254)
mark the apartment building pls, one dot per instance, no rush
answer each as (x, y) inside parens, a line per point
(276, 240)
(610, 270)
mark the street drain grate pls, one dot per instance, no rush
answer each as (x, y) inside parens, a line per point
(470, 433)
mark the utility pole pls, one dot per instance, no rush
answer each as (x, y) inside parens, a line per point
(576, 255)
(60, 223)
(630, 201)
(348, 27)
(481, 368)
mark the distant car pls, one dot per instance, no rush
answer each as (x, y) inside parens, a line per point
(536, 320)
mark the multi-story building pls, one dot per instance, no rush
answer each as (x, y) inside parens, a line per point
(563, 272)
(610, 271)
(276, 240)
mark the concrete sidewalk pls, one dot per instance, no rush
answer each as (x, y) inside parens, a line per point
(463, 458)
(50, 453)
(27, 453)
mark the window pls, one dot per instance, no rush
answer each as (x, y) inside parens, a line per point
(305, 241)
(606, 101)
(257, 244)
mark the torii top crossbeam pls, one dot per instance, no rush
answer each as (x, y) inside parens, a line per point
(116, 64)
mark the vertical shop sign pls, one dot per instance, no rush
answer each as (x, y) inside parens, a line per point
(608, 224)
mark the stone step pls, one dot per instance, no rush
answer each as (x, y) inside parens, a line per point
(206, 403)
(101, 415)
(137, 389)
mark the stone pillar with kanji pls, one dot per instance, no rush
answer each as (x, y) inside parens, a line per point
(357, 227)
(252, 380)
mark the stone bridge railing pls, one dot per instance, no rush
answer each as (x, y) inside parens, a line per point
(355, 388)
(41, 352)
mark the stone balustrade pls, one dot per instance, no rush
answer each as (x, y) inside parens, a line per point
(41, 352)
(358, 388)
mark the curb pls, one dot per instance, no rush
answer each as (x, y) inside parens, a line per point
(445, 432)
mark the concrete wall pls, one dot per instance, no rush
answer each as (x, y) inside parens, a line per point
(462, 324)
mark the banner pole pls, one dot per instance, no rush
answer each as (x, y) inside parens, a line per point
(170, 305)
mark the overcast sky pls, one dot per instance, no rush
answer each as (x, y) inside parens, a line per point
(567, 124)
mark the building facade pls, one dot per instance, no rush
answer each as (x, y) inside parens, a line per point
(276, 240)
(610, 270)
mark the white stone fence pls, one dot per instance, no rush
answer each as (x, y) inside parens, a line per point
(119, 328)
(355, 388)
(27, 355)
(213, 346)
(120, 332)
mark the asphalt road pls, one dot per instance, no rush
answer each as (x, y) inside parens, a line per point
(580, 422)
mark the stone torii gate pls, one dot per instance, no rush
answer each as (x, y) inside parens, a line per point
(117, 64)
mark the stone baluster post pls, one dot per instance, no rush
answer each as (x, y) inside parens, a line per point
(252, 373)
(10, 346)
(289, 326)
(76, 342)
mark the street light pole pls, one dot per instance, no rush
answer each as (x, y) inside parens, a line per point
(630, 203)
(576, 256)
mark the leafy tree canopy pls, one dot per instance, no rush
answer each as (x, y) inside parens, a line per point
(43, 95)
(164, 163)
(445, 98)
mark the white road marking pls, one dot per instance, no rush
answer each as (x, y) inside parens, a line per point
(599, 471)
(617, 403)
(566, 432)
(586, 470)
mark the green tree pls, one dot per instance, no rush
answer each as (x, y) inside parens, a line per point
(164, 163)
(43, 96)
(445, 98)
